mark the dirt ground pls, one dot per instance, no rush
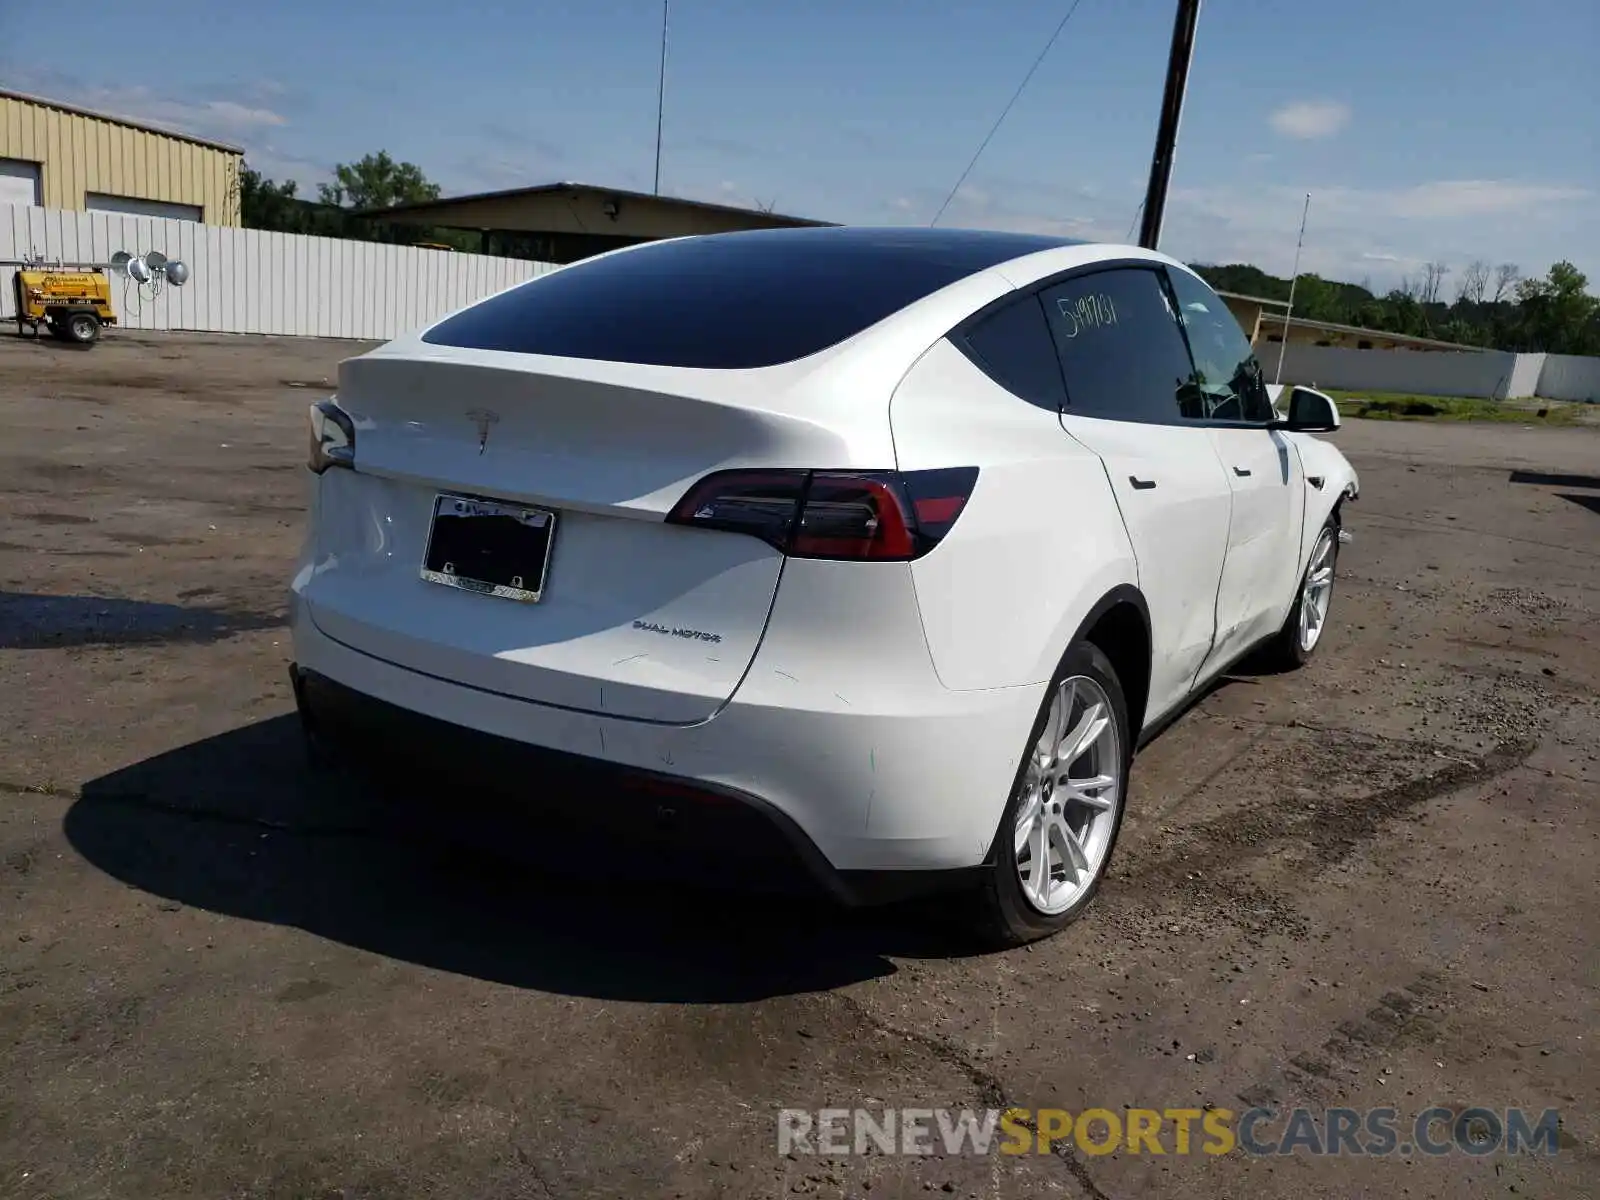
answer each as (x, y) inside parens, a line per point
(1368, 883)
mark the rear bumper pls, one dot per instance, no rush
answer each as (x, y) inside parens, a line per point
(907, 781)
(696, 830)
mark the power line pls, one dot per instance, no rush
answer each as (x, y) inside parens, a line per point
(984, 145)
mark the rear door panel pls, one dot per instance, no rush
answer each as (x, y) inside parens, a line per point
(1175, 503)
(1130, 398)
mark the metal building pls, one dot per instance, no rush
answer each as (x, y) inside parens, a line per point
(61, 156)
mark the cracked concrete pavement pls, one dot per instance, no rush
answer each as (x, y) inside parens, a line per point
(1367, 883)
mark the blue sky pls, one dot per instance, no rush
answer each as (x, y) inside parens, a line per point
(1441, 130)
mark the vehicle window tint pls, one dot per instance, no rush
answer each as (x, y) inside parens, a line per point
(1012, 346)
(735, 300)
(1226, 371)
(1120, 347)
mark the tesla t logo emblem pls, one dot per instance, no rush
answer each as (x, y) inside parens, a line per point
(484, 419)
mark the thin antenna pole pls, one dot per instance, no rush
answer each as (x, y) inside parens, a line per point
(661, 92)
(1289, 312)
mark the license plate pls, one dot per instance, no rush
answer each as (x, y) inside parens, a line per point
(489, 547)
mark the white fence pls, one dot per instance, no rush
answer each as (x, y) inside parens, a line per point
(254, 281)
(1445, 373)
(1488, 374)
(1569, 377)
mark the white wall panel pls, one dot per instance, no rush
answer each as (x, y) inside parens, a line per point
(1484, 374)
(256, 281)
(1570, 377)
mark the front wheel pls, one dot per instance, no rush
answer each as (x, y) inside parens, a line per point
(1065, 811)
(1297, 641)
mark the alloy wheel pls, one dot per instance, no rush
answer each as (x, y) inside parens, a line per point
(1317, 592)
(1071, 790)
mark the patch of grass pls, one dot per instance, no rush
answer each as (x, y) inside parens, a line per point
(1395, 406)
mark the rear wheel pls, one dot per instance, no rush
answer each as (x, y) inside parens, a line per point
(1065, 811)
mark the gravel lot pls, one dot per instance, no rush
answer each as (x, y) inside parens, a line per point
(1368, 883)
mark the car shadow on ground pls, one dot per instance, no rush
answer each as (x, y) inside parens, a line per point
(1592, 503)
(240, 824)
(1549, 479)
(30, 621)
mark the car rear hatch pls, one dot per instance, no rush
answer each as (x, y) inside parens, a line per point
(634, 617)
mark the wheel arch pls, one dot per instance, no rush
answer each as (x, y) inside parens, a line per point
(1118, 624)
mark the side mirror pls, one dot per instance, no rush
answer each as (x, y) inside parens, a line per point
(1310, 412)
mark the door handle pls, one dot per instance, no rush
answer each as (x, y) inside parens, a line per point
(1241, 470)
(1141, 485)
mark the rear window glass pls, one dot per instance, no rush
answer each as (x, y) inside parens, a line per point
(752, 299)
(1012, 345)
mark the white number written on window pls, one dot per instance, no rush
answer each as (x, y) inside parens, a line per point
(1087, 313)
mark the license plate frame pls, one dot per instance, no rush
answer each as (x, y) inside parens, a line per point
(523, 586)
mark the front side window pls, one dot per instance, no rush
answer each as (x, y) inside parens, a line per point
(1226, 371)
(1121, 351)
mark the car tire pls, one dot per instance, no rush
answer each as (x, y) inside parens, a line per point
(1293, 645)
(1008, 911)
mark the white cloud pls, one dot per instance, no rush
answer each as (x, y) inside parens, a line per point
(972, 197)
(1306, 119)
(1477, 197)
(979, 208)
(240, 116)
(224, 119)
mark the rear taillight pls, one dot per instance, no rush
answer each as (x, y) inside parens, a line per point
(333, 437)
(888, 516)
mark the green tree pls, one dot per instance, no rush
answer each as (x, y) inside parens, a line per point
(377, 181)
(1558, 314)
(1318, 300)
(264, 204)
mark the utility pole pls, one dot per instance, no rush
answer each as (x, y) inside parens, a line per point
(1178, 59)
(661, 92)
(1293, 282)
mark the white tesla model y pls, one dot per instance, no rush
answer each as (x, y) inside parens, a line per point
(873, 550)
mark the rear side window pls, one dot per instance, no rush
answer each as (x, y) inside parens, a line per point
(1122, 354)
(1012, 346)
(740, 300)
